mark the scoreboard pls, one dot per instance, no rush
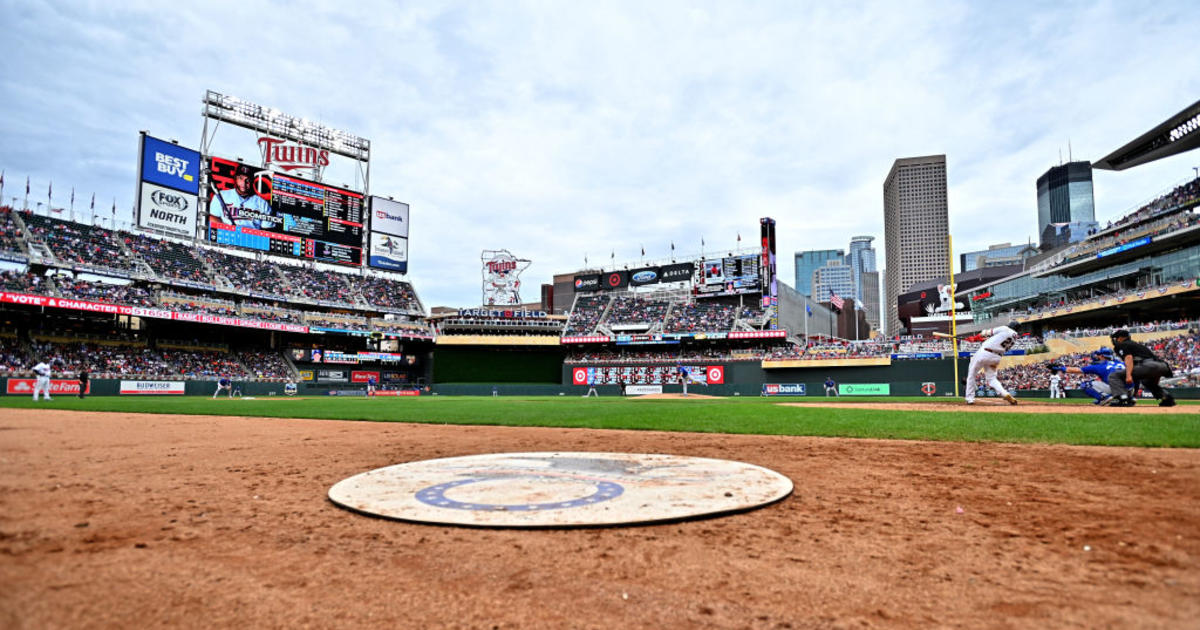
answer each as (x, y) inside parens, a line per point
(735, 275)
(281, 214)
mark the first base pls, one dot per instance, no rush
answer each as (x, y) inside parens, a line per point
(559, 489)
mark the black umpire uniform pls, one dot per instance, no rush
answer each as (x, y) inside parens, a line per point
(1141, 365)
(83, 382)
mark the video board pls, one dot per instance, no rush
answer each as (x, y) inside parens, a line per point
(280, 214)
(735, 275)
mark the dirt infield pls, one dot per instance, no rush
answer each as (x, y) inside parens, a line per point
(121, 520)
(995, 406)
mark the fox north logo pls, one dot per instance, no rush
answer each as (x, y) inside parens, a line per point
(169, 200)
(174, 166)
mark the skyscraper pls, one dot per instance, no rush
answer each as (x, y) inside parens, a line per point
(915, 224)
(809, 261)
(860, 259)
(1064, 195)
(870, 298)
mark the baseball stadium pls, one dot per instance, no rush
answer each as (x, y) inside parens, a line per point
(241, 393)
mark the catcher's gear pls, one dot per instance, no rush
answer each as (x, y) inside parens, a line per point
(1103, 351)
(1054, 367)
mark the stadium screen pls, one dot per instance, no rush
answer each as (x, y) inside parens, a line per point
(736, 275)
(280, 214)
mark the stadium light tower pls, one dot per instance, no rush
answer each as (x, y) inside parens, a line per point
(272, 122)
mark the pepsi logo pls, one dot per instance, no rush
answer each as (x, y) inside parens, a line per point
(578, 283)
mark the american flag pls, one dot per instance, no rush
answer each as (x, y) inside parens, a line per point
(836, 301)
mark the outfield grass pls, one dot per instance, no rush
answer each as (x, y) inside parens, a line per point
(748, 415)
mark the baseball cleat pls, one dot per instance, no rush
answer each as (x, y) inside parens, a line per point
(1104, 401)
(1167, 401)
(1011, 400)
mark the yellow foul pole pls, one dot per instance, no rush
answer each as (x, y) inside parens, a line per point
(953, 313)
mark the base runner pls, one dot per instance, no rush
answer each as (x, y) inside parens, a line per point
(998, 341)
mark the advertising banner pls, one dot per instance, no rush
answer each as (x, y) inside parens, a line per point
(168, 164)
(361, 377)
(783, 389)
(638, 390)
(681, 272)
(716, 375)
(389, 217)
(644, 276)
(331, 376)
(152, 387)
(587, 283)
(582, 376)
(865, 389)
(393, 392)
(616, 280)
(57, 386)
(167, 210)
(388, 252)
(139, 311)
(306, 375)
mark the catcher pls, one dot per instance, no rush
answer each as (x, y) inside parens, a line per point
(1103, 365)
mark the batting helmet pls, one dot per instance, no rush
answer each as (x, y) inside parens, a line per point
(1014, 324)
(1103, 353)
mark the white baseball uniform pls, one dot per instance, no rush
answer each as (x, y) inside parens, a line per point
(42, 384)
(1056, 390)
(987, 358)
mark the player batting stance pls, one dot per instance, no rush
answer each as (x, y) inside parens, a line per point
(1102, 367)
(987, 358)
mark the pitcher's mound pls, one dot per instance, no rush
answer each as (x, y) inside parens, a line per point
(675, 397)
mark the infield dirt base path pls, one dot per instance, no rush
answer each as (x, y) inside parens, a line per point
(121, 521)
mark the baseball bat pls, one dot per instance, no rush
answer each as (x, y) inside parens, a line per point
(943, 335)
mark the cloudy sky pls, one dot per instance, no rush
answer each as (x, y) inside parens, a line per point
(563, 129)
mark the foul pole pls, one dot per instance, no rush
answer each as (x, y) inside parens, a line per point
(953, 313)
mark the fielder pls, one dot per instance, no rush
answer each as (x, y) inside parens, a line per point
(371, 385)
(1056, 388)
(1103, 365)
(224, 384)
(987, 358)
(42, 383)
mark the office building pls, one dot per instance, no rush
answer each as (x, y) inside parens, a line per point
(916, 225)
(1001, 255)
(870, 298)
(807, 263)
(835, 276)
(1064, 195)
(861, 259)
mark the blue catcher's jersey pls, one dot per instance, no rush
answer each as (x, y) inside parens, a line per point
(1103, 369)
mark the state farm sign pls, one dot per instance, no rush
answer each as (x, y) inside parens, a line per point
(58, 386)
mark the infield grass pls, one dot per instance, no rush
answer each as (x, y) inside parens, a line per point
(748, 415)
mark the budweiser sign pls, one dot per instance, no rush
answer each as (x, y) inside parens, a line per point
(289, 156)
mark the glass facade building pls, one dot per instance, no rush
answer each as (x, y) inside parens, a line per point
(1064, 195)
(808, 262)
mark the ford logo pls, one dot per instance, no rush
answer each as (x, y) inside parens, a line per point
(645, 276)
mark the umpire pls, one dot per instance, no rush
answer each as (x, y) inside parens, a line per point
(1140, 365)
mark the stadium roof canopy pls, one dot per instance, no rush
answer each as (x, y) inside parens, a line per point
(1177, 134)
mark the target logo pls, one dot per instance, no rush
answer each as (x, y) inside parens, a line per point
(579, 376)
(716, 375)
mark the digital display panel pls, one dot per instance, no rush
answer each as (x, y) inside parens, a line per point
(280, 214)
(731, 276)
